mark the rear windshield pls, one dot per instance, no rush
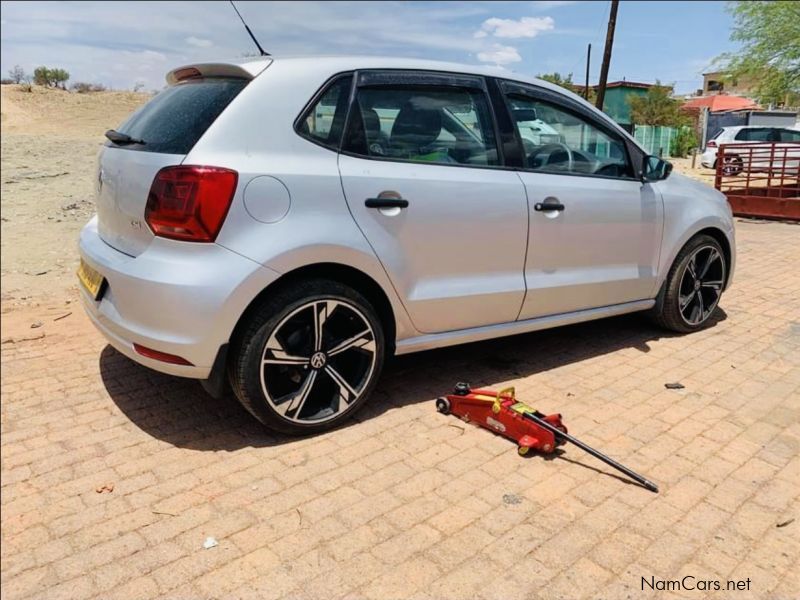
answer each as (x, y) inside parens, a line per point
(173, 121)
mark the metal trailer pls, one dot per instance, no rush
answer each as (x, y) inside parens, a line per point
(760, 180)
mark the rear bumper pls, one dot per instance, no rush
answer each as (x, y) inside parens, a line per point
(708, 158)
(175, 297)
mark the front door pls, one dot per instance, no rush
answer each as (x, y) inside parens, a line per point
(595, 229)
(424, 181)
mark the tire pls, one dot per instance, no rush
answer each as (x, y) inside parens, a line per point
(295, 380)
(681, 309)
(732, 166)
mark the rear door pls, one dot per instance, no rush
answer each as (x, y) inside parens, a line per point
(595, 228)
(424, 180)
(169, 125)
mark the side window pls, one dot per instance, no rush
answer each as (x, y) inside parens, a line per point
(559, 141)
(787, 135)
(761, 134)
(445, 125)
(324, 121)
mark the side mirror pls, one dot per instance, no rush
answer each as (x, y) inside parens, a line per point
(521, 115)
(655, 169)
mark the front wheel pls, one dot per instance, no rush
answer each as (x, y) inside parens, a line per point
(309, 357)
(693, 287)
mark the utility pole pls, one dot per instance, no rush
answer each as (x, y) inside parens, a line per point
(588, 61)
(612, 23)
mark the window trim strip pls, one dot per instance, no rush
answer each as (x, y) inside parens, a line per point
(418, 77)
(635, 155)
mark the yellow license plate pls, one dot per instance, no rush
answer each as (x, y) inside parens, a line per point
(91, 279)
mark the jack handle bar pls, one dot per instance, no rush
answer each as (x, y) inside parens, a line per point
(597, 454)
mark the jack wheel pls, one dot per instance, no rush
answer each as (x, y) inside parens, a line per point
(522, 450)
(443, 406)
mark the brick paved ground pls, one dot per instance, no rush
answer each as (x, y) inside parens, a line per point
(407, 503)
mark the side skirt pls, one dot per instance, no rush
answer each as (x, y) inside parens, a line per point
(476, 334)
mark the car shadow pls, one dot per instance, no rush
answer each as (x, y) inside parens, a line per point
(178, 411)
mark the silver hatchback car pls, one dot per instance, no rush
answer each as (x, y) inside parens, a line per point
(286, 224)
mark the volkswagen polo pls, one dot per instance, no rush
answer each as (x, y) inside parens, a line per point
(284, 225)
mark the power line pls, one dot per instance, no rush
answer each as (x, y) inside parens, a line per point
(595, 37)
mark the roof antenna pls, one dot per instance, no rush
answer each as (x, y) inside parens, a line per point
(255, 41)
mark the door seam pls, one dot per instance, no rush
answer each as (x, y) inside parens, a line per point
(527, 245)
(371, 247)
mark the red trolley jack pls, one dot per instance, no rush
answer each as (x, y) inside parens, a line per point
(502, 413)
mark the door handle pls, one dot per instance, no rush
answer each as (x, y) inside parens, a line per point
(386, 203)
(550, 203)
(387, 199)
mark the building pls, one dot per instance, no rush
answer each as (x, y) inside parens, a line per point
(716, 82)
(615, 102)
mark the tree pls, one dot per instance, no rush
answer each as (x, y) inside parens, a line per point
(770, 54)
(59, 76)
(657, 107)
(566, 82)
(17, 74)
(51, 77)
(41, 76)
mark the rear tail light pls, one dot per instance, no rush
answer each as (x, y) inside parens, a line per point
(162, 356)
(190, 202)
(711, 144)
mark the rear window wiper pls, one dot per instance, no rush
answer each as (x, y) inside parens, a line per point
(122, 139)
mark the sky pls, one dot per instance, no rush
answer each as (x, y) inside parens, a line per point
(121, 44)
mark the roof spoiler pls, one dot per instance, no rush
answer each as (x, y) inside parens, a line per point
(239, 70)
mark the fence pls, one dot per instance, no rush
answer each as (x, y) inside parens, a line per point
(760, 180)
(655, 139)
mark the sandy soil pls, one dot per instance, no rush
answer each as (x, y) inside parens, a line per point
(49, 143)
(684, 166)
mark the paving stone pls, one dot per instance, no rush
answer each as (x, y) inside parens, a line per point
(408, 503)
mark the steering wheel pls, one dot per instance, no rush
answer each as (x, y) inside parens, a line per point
(551, 149)
(377, 148)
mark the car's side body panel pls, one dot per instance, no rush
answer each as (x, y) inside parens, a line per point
(456, 254)
(691, 207)
(602, 249)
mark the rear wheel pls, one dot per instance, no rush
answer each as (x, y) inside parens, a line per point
(693, 287)
(731, 165)
(309, 357)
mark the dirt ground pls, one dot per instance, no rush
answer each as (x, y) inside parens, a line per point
(684, 166)
(114, 476)
(49, 143)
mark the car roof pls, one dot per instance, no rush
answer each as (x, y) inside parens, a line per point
(337, 63)
(348, 62)
(738, 127)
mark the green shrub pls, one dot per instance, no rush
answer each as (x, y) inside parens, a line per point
(50, 77)
(683, 142)
(82, 87)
